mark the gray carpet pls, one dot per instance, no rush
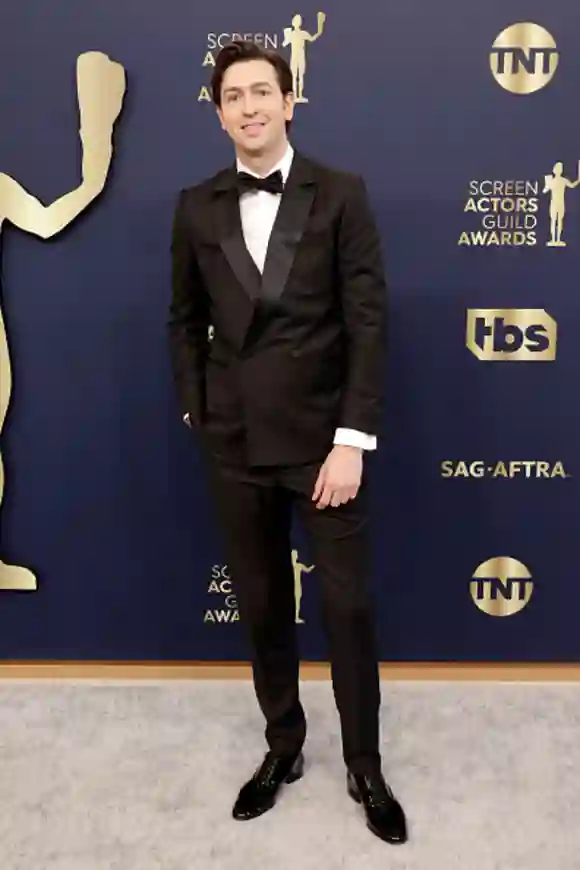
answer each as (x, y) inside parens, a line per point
(142, 777)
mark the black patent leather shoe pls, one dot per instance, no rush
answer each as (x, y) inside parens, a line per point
(385, 816)
(259, 794)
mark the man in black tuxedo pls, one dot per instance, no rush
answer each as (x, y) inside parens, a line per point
(281, 256)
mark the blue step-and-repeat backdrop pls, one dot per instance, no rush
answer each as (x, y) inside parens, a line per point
(463, 119)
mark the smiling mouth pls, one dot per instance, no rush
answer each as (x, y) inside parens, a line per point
(253, 125)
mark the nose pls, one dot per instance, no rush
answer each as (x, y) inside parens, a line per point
(248, 105)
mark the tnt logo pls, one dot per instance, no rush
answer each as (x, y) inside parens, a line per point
(501, 586)
(511, 335)
(524, 58)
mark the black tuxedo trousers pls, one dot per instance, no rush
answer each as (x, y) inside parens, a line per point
(255, 510)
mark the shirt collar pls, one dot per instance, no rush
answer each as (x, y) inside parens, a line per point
(283, 165)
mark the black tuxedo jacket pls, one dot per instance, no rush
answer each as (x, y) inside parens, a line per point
(297, 351)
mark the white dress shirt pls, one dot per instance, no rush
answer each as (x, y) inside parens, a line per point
(258, 210)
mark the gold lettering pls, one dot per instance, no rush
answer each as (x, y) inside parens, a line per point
(528, 466)
(222, 615)
(477, 238)
(447, 468)
(500, 470)
(533, 205)
(521, 204)
(515, 468)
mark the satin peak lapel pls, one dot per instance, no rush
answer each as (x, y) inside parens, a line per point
(288, 228)
(231, 237)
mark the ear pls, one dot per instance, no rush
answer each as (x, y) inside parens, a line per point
(288, 106)
(220, 115)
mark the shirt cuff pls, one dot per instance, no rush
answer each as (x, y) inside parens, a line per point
(354, 438)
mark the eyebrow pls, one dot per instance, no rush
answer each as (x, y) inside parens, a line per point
(253, 85)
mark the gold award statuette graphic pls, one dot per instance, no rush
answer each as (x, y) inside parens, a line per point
(501, 586)
(556, 185)
(101, 85)
(524, 58)
(297, 38)
(299, 569)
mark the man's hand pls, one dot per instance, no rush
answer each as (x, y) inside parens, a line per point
(339, 478)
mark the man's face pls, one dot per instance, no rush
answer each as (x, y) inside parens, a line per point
(254, 111)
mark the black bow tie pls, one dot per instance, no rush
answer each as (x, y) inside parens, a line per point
(273, 183)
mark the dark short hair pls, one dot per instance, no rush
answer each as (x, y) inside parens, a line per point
(241, 50)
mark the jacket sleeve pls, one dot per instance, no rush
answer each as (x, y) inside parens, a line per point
(363, 296)
(189, 317)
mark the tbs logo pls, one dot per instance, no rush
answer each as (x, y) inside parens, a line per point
(511, 334)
